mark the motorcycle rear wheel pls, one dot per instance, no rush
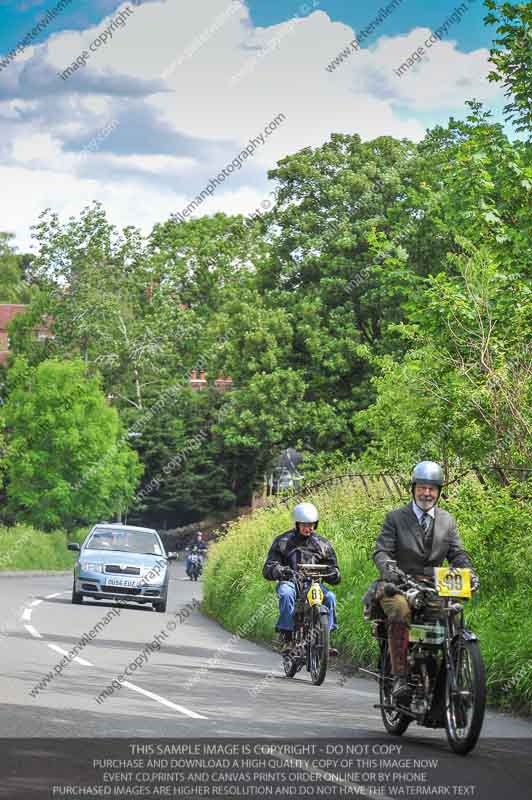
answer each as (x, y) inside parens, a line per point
(394, 721)
(318, 649)
(464, 708)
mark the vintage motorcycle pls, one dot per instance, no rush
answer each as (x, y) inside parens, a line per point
(445, 668)
(310, 641)
(194, 566)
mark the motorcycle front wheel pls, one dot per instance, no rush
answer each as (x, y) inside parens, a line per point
(466, 703)
(394, 721)
(318, 648)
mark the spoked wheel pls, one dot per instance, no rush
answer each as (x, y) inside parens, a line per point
(318, 649)
(394, 720)
(466, 703)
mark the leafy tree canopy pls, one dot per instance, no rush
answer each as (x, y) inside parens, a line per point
(66, 461)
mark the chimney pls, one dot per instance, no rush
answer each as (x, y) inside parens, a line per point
(223, 384)
(197, 383)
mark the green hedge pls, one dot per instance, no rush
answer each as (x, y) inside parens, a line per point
(24, 548)
(496, 531)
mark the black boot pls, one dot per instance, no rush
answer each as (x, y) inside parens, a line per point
(285, 641)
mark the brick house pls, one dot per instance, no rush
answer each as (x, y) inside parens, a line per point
(10, 310)
(7, 312)
(221, 384)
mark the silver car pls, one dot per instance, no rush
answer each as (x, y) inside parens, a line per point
(121, 562)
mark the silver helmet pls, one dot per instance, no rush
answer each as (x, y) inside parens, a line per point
(306, 512)
(428, 472)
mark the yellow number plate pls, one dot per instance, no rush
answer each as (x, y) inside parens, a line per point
(453, 582)
(315, 595)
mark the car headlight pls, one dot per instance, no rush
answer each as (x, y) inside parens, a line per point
(90, 566)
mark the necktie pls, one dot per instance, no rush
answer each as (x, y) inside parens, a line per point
(427, 526)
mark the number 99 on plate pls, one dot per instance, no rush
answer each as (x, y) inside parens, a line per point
(453, 582)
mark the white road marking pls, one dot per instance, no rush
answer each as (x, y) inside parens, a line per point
(164, 701)
(65, 653)
(82, 661)
(35, 603)
(182, 710)
(58, 649)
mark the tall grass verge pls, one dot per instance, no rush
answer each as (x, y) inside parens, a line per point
(25, 548)
(496, 531)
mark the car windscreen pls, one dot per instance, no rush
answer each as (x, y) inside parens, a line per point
(124, 541)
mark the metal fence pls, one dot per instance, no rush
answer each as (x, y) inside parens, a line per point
(380, 485)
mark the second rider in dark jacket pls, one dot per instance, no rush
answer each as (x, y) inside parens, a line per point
(300, 545)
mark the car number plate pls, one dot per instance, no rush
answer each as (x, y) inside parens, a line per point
(131, 583)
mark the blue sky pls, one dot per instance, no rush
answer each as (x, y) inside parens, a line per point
(408, 15)
(18, 16)
(180, 88)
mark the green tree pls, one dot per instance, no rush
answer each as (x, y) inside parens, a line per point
(462, 391)
(66, 461)
(13, 288)
(192, 262)
(186, 471)
(512, 58)
(301, 331)
(94, 287)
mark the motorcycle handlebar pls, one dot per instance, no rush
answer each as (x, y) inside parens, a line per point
(411, 583)
(315, 573)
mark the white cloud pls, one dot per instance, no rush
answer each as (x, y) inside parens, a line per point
(33, 190)
(189, 116)
(441, 80)
(153, 165)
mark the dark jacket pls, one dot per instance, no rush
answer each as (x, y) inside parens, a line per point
(290, 549)
(402, 540)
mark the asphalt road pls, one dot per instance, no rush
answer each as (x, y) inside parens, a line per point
(200, 683)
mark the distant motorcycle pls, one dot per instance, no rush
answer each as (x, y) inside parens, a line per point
(310, 640)
(445, 668)
(194, 566)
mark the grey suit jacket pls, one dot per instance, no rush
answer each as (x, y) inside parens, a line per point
(401, 540)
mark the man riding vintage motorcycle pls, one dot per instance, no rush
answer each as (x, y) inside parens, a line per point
(413, 539)
(300, 545)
